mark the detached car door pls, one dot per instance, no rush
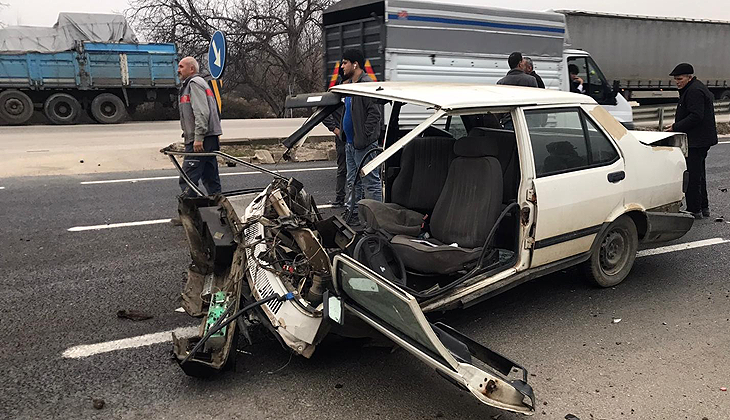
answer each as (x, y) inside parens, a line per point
(487, 375)
(578, 181)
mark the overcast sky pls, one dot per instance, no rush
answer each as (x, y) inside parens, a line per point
(44, 12)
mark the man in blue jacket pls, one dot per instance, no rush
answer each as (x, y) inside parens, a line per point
(696, 117)
(362, 121)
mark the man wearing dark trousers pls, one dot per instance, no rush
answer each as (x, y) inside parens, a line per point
(696, 117)
(201, 126)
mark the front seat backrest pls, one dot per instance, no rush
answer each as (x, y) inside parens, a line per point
(471, 199)
(507, 155)
(424, 166)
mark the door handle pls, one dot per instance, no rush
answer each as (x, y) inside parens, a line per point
(615, 177)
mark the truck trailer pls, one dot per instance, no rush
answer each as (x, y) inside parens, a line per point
(410, 40)
(89, 63)
(642, 50)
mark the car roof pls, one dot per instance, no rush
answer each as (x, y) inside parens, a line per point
(452, 96)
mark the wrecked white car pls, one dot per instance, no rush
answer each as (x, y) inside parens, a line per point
(494, 186)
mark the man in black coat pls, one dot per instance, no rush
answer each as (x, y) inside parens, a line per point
(530, 69)
(696, 117)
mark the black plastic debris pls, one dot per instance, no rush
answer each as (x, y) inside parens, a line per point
(98, 403)
(571, 417)
(133, 315)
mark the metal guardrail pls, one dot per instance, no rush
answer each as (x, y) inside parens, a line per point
(655, 116)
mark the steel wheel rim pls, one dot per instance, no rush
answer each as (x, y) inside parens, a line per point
(108, 109)
(613, 255)
(14, 106)
(63, 109)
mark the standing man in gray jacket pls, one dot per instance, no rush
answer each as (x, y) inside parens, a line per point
(201, 126)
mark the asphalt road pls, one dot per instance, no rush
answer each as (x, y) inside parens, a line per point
(666, 359)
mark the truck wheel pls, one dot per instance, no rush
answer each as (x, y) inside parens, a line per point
(62, 108)
(15, 107)
(613, 253)
(108, 109)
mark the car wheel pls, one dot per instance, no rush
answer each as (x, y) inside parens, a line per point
(613, 254)
(15, 107)
(62, 108)
(108, 109)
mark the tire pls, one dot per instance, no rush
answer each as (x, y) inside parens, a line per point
(613, 253)
(15, 107)
(62, 108)
(107, 108)
(725, 95)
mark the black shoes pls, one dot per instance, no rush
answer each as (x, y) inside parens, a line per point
(699, 215)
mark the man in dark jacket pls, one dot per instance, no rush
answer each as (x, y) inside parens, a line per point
(361, 125)
(517, 76)
(696, 117)
(530, 69)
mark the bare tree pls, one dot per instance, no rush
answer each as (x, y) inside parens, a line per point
(274, 46)
(2, 6)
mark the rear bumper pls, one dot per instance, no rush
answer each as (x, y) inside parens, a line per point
(662, 227)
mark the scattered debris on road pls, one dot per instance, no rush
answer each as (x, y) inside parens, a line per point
(98, 403)
(132, 314)
(615, 320)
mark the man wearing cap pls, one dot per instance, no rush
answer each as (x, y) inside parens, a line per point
(517, 76)
(362, 121)
(695, 116)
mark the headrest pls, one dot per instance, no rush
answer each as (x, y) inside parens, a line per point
(475, 147)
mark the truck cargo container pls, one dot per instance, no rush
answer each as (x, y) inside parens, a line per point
(58, 72)
(638, 52)
(423, 41)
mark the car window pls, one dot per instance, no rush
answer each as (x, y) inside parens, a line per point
(456, 127)
(602, 151)
(558, 140)
(387, 304)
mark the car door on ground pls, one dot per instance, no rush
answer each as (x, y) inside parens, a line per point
(578, 173)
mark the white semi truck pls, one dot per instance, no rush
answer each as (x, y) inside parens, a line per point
(644, 49)
(408, 40)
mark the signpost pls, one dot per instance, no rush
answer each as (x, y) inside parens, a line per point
(217, 54)
(217, 63)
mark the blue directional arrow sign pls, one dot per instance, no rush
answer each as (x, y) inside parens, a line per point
(217, 54)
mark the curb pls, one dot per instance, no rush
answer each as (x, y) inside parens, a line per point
(271, 141)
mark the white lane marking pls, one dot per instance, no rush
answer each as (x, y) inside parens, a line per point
(141, 223)
(681, 247)
(117, 225)
(86, 350)
(156, 178)
(2, 188)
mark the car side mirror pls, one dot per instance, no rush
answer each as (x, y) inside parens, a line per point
(333, 308)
